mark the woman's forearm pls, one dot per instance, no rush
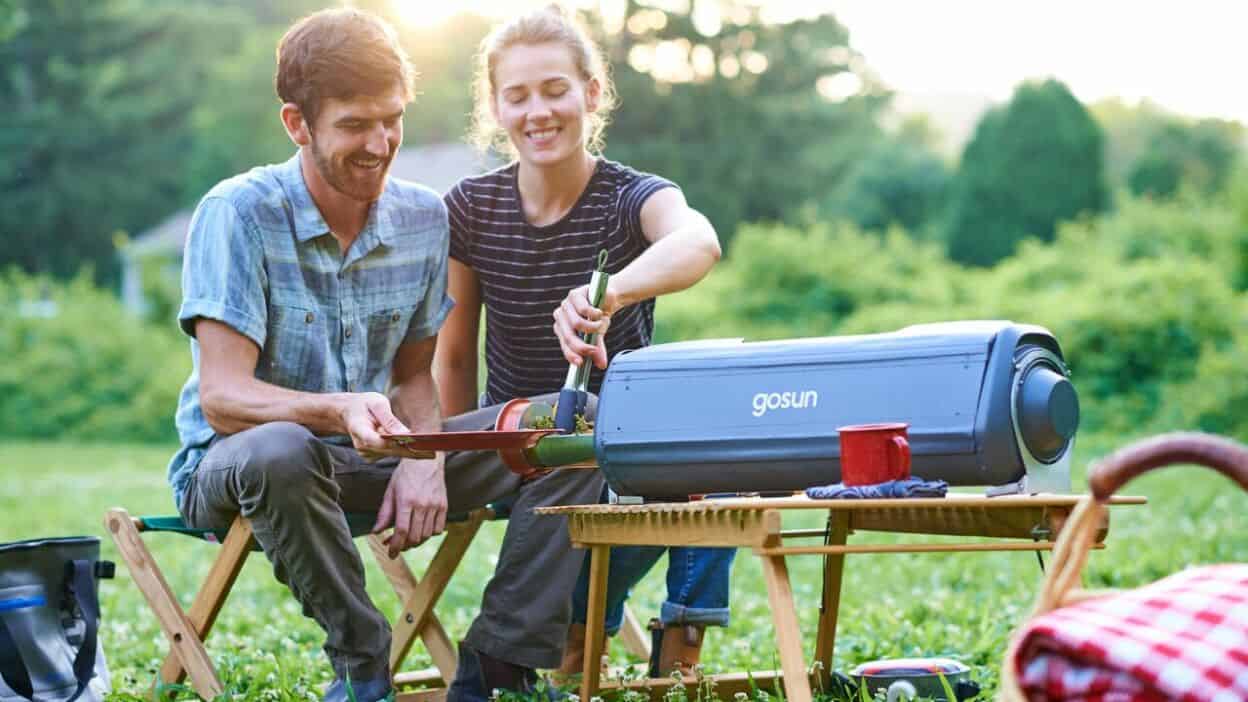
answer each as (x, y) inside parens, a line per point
(673, 263)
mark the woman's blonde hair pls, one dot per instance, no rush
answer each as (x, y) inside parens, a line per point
(549, 25)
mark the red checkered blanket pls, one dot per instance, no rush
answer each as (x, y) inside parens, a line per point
(1182, 638)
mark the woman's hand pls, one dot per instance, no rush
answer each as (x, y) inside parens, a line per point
(576, 316)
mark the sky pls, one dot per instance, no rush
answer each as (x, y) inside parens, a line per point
(1188, 57)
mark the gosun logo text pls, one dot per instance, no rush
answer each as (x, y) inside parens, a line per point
(765, 401)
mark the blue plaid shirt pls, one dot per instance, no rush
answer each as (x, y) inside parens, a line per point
(260, 258)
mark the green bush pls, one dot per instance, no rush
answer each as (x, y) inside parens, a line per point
(1199, 155)
(78, 365)
(1137, 330)
(782, 281)
(897, 183)
(1216, 397)
(1237, 257)
(1129, 322)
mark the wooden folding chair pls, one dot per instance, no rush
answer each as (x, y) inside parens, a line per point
(187, 630)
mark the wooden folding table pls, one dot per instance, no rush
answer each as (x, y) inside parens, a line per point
(1031, 521)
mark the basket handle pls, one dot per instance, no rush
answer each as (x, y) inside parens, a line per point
(1070, 553)
(1228, 457)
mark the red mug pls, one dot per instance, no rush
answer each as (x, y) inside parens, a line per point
(874, 453)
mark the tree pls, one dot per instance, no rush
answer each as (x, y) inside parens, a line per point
(899, 182)
(1129, 129)
(755, 121)
(11, 19)
(1155, 152)
(235, 115)
(98, 97)
(1200, 155)
(1030, 164)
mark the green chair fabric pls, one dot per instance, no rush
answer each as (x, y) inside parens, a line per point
(361, 523)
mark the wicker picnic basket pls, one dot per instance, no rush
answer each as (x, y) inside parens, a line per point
(1061, 587)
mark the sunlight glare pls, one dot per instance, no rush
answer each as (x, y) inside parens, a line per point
(427, 14)
(422, 13)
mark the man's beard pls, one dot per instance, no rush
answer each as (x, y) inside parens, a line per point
(346, 179)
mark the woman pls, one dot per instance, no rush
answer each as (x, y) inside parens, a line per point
(524, 240)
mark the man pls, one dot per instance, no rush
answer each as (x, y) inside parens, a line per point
(310, 288)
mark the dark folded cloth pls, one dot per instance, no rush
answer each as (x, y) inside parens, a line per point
(910, 487)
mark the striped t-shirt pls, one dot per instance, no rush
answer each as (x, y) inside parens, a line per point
(525, 271)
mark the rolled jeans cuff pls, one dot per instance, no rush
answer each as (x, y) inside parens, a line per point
(672, 614)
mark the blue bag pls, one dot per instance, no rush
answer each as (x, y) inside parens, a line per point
(49, 620)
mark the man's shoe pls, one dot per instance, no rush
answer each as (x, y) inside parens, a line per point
(467, 685)
(675, 647)
(478, 675)
(378, 690)
(498, 674)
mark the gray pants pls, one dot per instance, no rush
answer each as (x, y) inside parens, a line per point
(294, 489)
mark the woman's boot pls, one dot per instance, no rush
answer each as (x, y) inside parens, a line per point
(573, 662)
(675, 647)
(573, 651)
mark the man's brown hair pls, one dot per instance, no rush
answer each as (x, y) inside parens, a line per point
(340, 53)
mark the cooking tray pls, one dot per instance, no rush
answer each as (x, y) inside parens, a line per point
(470, 440)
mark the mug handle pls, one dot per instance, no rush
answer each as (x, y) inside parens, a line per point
(899, 447)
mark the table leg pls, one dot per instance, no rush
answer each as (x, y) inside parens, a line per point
(788, 637)
(833, 567)
(595, 619)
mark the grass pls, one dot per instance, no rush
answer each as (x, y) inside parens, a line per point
(958, 605)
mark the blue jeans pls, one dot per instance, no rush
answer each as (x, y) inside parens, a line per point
(697, 584)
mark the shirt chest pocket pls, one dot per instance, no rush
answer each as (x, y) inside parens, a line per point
(294, 353)
(387, 328)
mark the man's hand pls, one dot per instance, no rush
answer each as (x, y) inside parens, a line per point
(365, 417)
(414, 504)
(575, 315)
